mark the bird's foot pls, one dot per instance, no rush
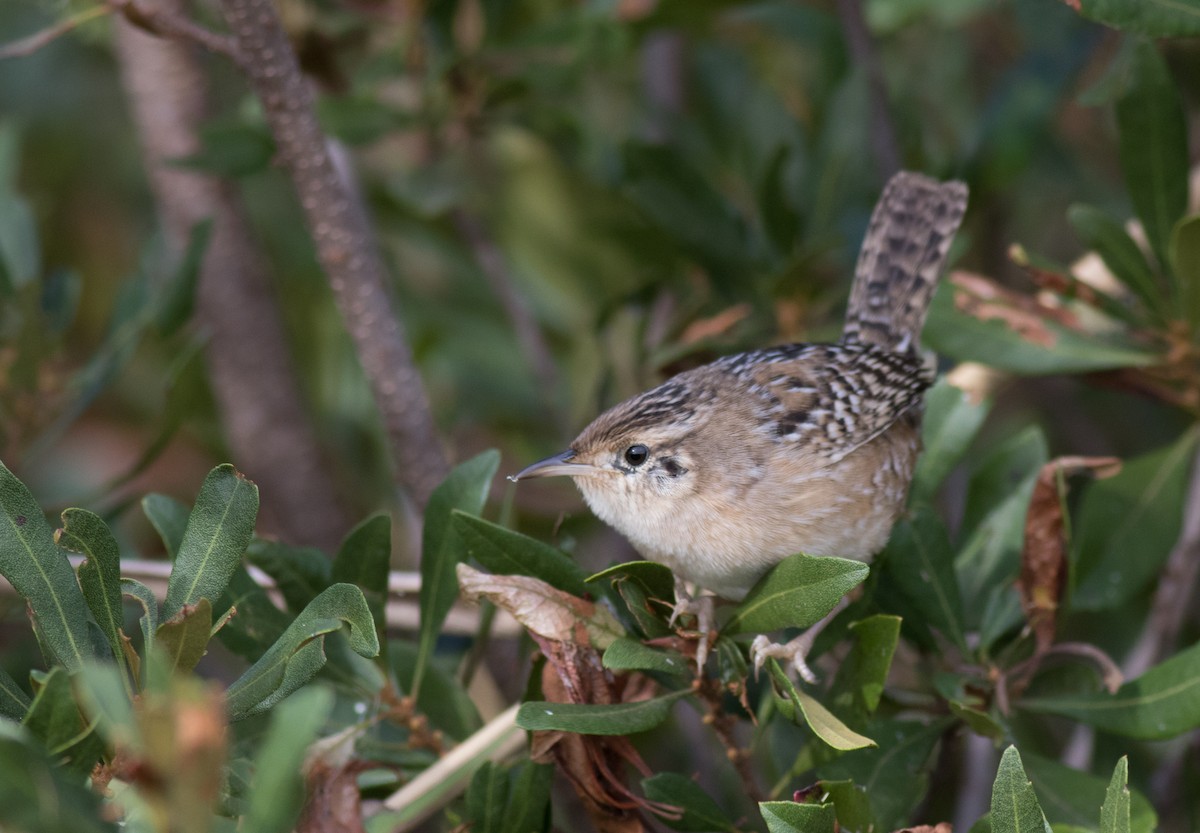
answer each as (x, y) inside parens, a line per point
(698, 604)
(794, 652)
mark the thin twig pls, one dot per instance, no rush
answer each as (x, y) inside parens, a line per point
(158, 21)
(722, 723)
(862, 50)
(346, 246)
(28, 45)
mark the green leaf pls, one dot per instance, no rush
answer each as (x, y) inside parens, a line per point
(507, 553)
(36, 796)
(169, 518)
(851, 805)
(920, 562)
(1055, 348)
(218, 531)
(184, 637)
(104, 699)
(797, 593)
(1115, 811)
(41, 574)
(258, 623)
(277, 794)
(790, 817)
(1153, 146)
(1185, 263)
(809, 712)
(1157, 18)
(14, 702)
(896, 774)
(1160, 704)
(626, 654)
(700, 812)
(1069, 796)
(1120, 254)
(1015, 807)
(513, 799)
(297, 655)
(656, 579)
(858, 686)
(1138, 510)
(145, 597)
(442, 698)
(465, 489)
(364, 559)
(180, 293)
(952, 419)
(53, 718)
(300, 573)
(99, 574)
(589, 719)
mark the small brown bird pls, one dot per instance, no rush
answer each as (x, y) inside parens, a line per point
(723, 471)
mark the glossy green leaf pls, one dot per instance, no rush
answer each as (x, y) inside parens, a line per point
(14, 702)
(41, 574)
(504, 552)
(218, 531)
(169, 518)
(626, 654)
(897, 771)
(994, 342)
(700, 812)
(184, 637)
(1115, 815)
(797, 593)
(37, 796)
(1185, 263)
(858, 686)
(952, 419)
(100, 573)
(1069, 796)
(364, 559)
(300, 573)
(277, 794)
(1160, 704)
(465, 489)
(179, 298)
(1157, 18)
(588, 719)
(1015, 807)
(297, 655)
(920, 562)
(790, 817)
(1137, 510)
(1153, 146)
(809, 712)
(1120, 254)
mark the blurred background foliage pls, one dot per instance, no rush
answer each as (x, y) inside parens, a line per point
(578, 197)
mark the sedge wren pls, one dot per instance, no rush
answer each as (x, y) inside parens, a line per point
(723, 471)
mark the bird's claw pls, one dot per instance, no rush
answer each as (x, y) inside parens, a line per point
(701, 606)
(794, 652)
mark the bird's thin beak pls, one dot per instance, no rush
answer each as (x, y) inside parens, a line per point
(559, 464)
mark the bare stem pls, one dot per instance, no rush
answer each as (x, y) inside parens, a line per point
(28, 45)
(159, 20)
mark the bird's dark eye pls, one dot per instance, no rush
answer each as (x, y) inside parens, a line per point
(635, 455)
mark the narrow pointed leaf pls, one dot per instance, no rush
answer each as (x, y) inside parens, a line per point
(100, 573)
(53, 717)
(790, 817)
(700, 812)
(465, 489)
(39, 796)
(146, 598)
(1157, 18)
(1120, 254)
(504, 552)
(183, 639)
(588, 719)
(858, 686)
(41, 574)
(218, 531)
(626, 654)
(952, 419)
(1071, 797)
(264, 681)
(1153, 147)
(797, 593)
(1185, 262)
(14, 702)
(1114, 812)
(364, 559)
(1015, 807)
(920, 561)
(300, 573)
(169, 518)
(809, 712)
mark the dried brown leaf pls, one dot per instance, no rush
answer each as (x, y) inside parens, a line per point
(1044, 554)
(333, 804)
(983, 298)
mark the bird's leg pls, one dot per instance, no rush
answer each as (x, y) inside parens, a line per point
(700, 604)
(795, 651)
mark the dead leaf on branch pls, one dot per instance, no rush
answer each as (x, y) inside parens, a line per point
(1044, 554)
(984, 299)
(571, 632)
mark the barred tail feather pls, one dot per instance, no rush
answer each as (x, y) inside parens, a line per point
(901, 260)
